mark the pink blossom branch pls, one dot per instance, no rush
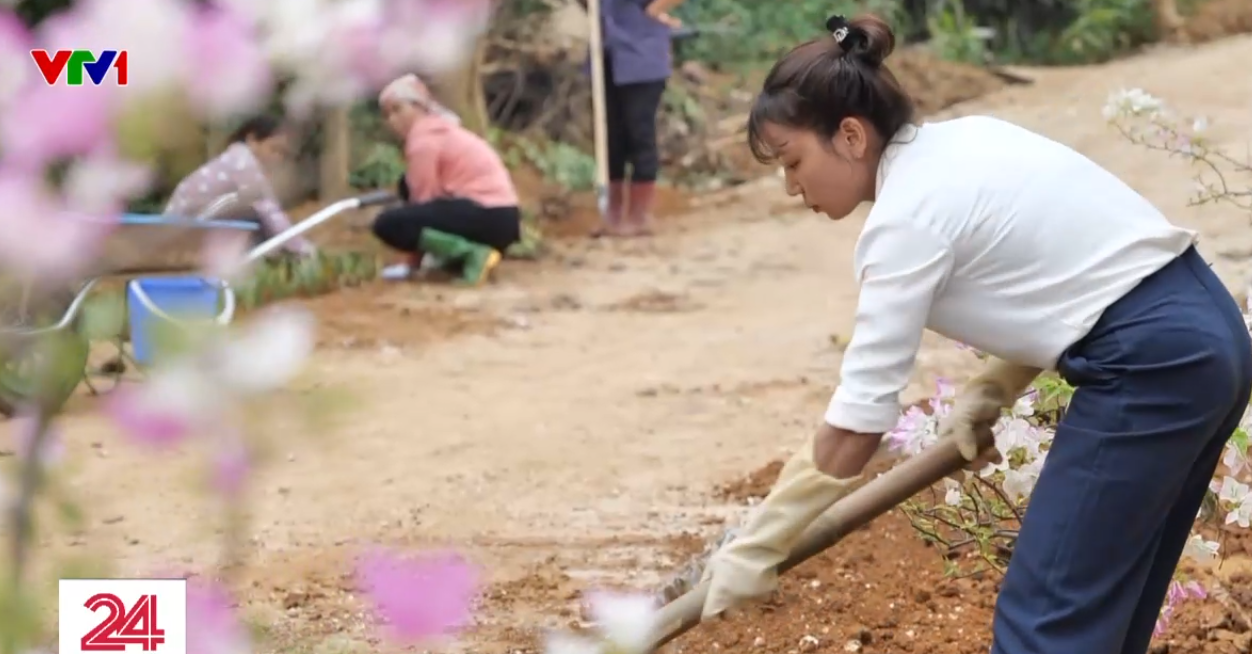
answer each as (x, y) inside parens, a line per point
(30, 477)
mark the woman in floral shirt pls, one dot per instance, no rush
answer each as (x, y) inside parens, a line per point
(240, 170)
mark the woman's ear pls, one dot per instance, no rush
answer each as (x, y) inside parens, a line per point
(853, 137)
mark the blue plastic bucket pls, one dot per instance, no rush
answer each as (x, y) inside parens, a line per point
(185, 298)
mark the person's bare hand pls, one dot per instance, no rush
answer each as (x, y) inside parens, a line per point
(663, 17)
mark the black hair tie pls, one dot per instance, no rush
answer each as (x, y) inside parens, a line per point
(848, 36)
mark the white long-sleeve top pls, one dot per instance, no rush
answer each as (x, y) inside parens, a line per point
(993, 236)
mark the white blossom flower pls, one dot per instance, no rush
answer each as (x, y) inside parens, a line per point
(1199, 549)
(627, 621)
(952, 492)
(1132, 102)
(1020, 482)
(563, 643)
(1235, 457)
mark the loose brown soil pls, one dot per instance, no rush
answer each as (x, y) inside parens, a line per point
(1217, 19)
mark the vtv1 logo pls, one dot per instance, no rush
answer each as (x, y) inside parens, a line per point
(123, 615)
(75, 62)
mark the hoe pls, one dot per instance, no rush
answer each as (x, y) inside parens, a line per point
(875, 498)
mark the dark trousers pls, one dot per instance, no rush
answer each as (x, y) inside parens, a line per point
(631, 111)
(401, 227)
(1162, 382)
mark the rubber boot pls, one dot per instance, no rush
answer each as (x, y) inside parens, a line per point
(639, 211)
(477, 260)
(613, 214)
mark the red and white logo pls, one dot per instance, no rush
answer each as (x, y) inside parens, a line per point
(123, 615)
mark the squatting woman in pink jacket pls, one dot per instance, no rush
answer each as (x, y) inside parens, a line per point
(461, 205)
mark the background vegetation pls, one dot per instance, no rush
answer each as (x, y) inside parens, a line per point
(528, 92)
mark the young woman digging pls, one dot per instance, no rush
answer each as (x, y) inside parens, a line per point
(1019, 246)
(461, 206)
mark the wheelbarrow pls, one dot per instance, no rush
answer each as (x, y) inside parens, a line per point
(155, 256)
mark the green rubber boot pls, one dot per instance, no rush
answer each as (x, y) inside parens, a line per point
(477, 260)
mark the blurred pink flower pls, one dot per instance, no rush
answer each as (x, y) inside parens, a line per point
(1178, 593)
(16, 67)
(231, 464)
(225, 254)
(212, 626)
(51, 451)
(433, 36)
(38, 236)
(102, 182)
(44, 123)
(198, 392)
(153, 34)
(232, 73)
(145, 421)
(356, 41)
(422, 597)
(334, 53)
(944, 391)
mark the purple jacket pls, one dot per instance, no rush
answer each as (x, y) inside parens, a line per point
(638, 46)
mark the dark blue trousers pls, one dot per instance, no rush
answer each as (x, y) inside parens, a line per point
(1163, 380)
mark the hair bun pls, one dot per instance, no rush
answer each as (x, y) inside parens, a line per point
(866, 37)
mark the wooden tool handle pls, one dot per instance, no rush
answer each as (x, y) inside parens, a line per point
(599, 111)
(852, 512)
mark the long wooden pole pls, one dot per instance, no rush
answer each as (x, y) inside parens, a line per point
(599, 121)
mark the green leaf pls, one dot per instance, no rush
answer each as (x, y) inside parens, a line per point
(103, 316)
(20, 627)
(1240, 440)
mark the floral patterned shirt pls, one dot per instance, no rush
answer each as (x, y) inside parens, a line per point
(234, 171)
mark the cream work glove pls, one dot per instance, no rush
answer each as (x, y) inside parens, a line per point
(746, 567)
(980, 403)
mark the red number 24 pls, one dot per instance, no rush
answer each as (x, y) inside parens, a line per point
(134, 626)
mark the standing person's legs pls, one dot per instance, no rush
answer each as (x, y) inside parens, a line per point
(619, 148)
(1179, 521)
(640, 103)
(1162, 380)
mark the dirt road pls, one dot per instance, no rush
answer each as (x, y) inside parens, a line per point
(573, 433)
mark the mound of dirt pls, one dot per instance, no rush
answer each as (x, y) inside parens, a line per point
(883, 590)
(874, 592)
(1217, 19)
(378, 315)
(752, 487)
(936, 84)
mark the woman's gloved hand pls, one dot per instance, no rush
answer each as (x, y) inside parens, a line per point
(747, 567)
(980, 403)
(402, 188)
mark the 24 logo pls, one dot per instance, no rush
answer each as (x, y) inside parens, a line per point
(134, 626)
(123, 615)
